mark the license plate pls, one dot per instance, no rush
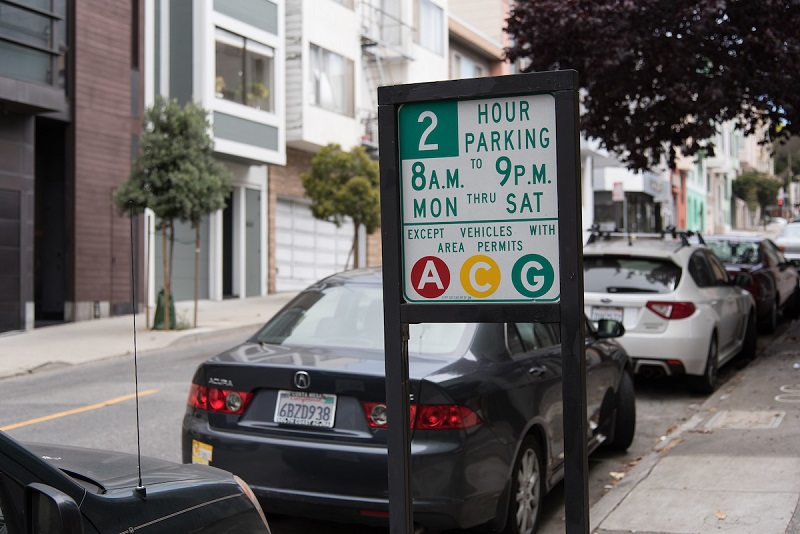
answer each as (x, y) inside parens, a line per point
(601, 312)
(307, 409)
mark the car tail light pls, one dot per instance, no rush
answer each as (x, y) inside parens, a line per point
(671, 310)
(426, 416)
(218, 400)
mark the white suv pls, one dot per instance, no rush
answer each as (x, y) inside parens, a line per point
(681, 312)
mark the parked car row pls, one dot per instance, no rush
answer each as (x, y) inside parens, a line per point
(299, 409)
(689, 304)
(299, 412)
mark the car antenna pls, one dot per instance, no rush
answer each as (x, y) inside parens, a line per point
(139, 490)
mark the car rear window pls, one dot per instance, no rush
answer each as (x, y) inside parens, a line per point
(625, 274)
(729, 251)
(351, 315)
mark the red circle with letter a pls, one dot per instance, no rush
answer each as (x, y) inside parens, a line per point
(430, 277)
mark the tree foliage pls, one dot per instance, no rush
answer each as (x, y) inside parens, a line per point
(757, 189)
(788, 155)
(658, 76)
(344, 184)
(175, 173)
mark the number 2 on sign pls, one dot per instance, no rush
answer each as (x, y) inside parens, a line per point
(423, 140)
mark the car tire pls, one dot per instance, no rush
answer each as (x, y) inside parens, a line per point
(527, 489)
(770, 322)
(624, 416)
(750, 340)
(706, 382)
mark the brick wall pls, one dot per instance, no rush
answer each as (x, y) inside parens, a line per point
(103, 130)
(284, 181)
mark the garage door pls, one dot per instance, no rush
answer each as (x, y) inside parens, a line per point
(307, 249)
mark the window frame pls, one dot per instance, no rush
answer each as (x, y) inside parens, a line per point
(319, 64)
(426, 22)
(248, 48)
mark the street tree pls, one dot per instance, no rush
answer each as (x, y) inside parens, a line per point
(657, 77)
(176, 176)
(344, 184)
(757, 189)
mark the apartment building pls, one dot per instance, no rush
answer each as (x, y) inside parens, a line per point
(338, 53)
(281, 79)
(229, 57)
(70, 109)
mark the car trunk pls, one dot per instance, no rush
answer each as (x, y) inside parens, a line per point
(341, 379)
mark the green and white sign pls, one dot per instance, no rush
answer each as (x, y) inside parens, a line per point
(479, 201)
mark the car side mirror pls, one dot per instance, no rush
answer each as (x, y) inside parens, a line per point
(795, 263)
(609, 328)
(49, 511)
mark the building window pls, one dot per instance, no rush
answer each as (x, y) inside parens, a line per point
(244, 71)
(331, 81)
(431, 26)
(33, 41)
(464, 67)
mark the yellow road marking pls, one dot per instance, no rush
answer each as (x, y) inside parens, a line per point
(77, 410)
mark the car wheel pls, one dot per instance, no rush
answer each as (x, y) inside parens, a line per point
(624, 416)
(706, 382)
(750, 340)
(771, 320)
(527, 489)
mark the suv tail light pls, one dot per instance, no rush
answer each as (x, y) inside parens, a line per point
(218, 400)
(671, 310)
(426, 416)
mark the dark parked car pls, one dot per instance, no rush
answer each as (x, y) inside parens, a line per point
(52, 489)
(299, 410)
(772, 279)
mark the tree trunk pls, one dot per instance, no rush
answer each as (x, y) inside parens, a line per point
(171, 263)
(355, 245)
(196, 269)
(165, 260)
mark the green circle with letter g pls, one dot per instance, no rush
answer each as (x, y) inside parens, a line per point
(533, 275)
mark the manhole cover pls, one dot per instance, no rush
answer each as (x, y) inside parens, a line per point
(746, 420)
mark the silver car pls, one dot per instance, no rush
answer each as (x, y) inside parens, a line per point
(789, 241)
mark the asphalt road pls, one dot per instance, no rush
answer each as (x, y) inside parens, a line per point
(92, 405)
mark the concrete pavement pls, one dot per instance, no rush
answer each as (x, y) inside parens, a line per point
(734, 467)
(80, 342)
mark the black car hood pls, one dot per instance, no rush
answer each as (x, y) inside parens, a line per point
(340, 359)
(118, 470)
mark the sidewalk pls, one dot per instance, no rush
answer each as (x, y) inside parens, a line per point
(734, 467)
(84, 341)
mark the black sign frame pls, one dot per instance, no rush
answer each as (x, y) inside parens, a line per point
(563, 86)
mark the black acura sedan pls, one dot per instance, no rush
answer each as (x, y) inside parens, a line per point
(55, 489)
(299, 411)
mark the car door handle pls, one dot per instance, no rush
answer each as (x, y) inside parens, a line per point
(537, 370)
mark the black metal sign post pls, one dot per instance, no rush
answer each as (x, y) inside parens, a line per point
(456, 157)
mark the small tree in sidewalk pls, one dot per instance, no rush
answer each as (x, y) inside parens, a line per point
(344, 184)
(176, 176)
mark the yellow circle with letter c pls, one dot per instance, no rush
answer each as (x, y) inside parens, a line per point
(480, 276)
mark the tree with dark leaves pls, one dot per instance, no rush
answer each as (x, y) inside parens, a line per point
(659, 76)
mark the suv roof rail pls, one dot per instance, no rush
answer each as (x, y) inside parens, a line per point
(684, 235)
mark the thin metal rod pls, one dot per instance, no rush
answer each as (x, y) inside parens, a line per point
(140, 486)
